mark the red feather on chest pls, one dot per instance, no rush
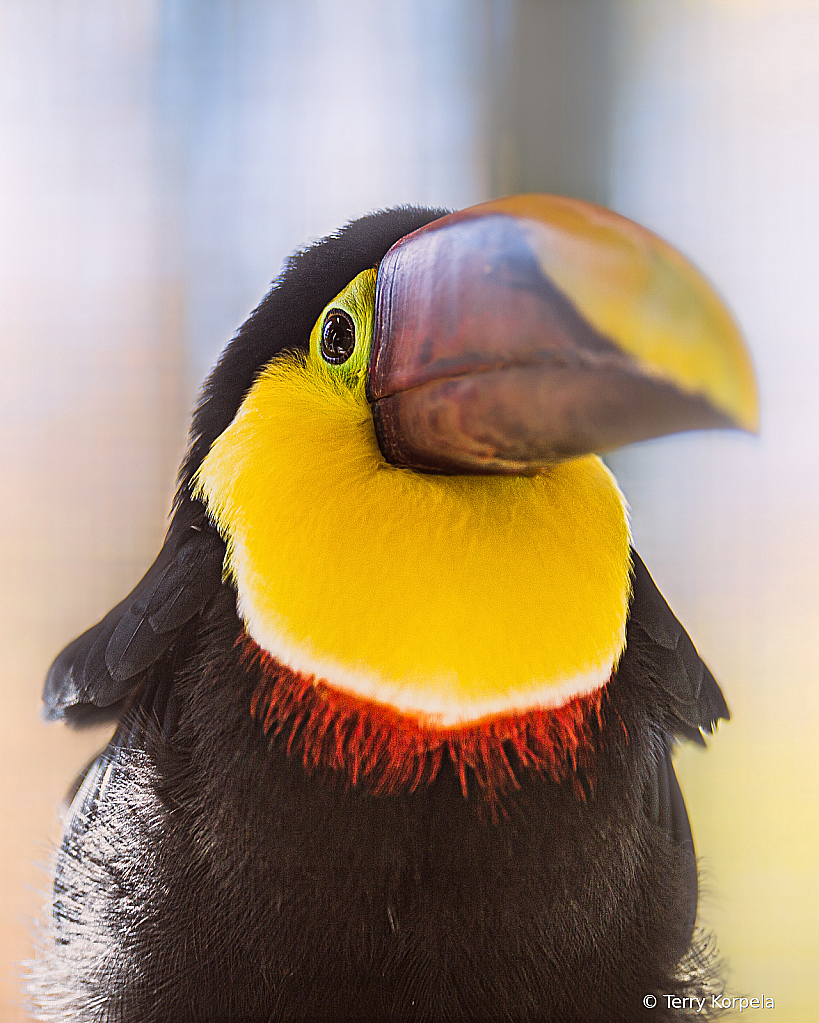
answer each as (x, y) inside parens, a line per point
(342, 737)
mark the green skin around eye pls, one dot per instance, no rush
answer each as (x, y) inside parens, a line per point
(358, 300)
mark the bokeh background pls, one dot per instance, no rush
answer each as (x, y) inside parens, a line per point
(159, 158)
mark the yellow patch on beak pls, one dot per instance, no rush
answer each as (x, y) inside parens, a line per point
(638, 291)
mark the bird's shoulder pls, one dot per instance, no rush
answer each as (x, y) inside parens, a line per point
(91, 678)
(686, 692)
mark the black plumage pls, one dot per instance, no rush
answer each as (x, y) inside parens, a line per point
(204, 875)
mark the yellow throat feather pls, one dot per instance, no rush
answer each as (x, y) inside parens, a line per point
(450, 598)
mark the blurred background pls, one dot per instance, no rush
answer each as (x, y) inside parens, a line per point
(159, 159)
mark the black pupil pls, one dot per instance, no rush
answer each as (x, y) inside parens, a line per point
(337, 337)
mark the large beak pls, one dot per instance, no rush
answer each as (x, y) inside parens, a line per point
(533, 329)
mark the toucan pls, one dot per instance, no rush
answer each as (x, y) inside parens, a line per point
(397, 700)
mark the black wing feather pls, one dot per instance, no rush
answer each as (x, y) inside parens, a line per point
(181, 591)
(690, 702)
(695, 700)
(104, 665)
(198, 565)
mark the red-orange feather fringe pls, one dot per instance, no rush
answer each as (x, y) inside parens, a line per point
(368, 744)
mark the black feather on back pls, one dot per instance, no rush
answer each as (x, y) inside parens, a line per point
(92, 676)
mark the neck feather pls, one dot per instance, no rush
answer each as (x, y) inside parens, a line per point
(356, 742)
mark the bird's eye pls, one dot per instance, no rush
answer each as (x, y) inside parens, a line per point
(337, 337)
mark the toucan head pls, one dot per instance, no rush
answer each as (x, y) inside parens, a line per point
(408, 485)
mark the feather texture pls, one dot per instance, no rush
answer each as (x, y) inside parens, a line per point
(205, 875)
(217, 880)
(104, 665)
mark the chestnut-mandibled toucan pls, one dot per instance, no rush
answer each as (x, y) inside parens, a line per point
(396, 701)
